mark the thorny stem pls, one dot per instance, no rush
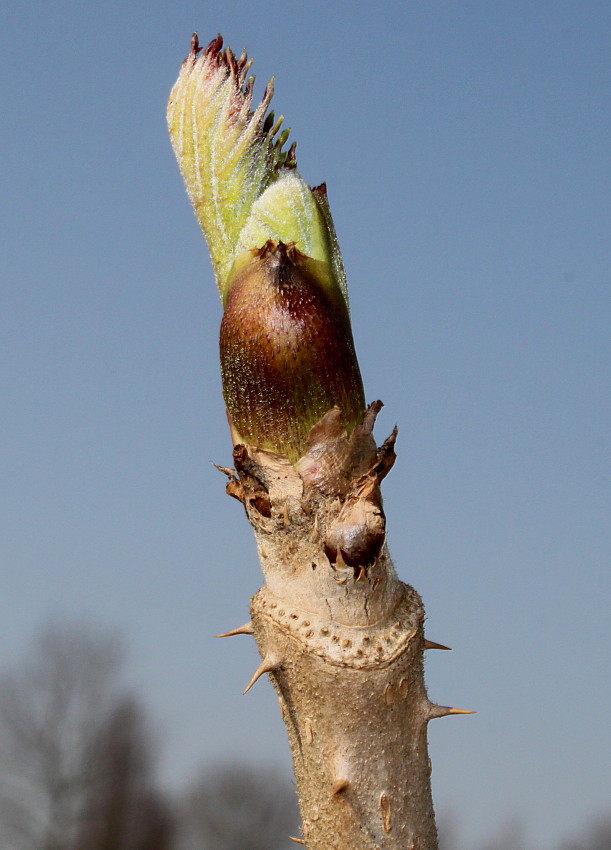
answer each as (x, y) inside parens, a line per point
(343, 643)
(340, 636)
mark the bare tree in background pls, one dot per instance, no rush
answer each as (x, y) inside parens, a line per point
(123, 810)
(509, 837)
(237, 807)
(596, 837)
(72, 751)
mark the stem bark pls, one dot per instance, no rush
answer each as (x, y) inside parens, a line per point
(342, 640)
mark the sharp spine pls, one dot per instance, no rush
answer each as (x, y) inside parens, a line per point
(430, 644)
(269, 663)
(445, 710)
(246, 629)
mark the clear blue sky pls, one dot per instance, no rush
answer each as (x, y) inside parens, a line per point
(466, 151)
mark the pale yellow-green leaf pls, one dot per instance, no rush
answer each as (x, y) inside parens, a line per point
(288, 211)
(225, 156)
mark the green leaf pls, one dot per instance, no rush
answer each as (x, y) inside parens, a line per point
(244, 188)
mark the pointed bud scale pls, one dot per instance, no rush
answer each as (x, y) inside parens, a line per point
(287, 353)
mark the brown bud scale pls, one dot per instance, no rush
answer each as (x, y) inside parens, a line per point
(287, 353)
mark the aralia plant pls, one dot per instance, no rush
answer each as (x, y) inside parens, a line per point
(340, 636)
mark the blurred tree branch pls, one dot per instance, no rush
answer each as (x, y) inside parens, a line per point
(76, 768)
(239, 807)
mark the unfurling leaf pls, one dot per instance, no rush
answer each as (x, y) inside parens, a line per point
(287, 354)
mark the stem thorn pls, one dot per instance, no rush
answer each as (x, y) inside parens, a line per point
(445, 710)
(430, 644)
(246, 629)
(269, 663)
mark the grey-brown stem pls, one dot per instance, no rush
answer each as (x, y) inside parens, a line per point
(342, 639)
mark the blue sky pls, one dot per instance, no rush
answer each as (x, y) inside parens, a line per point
(466, 152)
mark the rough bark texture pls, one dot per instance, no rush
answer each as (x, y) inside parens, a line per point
(342, 639)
